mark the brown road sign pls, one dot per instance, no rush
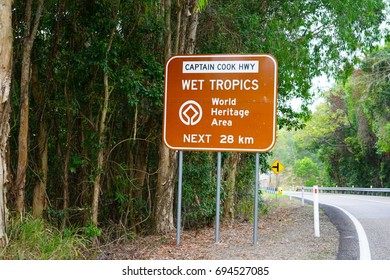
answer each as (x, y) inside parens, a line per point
(220, 103)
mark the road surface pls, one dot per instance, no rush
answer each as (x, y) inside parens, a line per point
(368, 214)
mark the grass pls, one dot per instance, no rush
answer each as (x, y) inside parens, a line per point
(267, 202)
(34, 239)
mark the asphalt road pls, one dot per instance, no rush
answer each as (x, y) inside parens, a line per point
(358, 217)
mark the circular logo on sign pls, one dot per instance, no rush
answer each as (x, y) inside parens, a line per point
(190, 112)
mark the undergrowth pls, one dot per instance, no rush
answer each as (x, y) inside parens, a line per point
(35, 239)
(245, 208)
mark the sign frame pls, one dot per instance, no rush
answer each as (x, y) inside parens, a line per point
(190, 111)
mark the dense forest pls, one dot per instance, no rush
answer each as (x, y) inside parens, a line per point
(82, 85)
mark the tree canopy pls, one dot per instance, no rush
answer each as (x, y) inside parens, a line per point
(349, 132)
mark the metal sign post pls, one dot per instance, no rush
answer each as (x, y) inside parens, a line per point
(179, 197)
(256, 206)
(218, 207)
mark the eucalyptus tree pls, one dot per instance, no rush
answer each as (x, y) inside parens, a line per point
(185, 40)
(31, 23)
(5, 89)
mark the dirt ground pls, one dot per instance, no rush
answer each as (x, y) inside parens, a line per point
(286, 232)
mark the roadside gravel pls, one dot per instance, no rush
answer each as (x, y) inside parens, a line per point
(286, 232)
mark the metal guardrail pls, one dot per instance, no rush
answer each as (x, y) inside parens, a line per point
(352, 190)
(344, 190)
(271, 190)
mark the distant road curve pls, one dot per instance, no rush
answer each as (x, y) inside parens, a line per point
(358, 217)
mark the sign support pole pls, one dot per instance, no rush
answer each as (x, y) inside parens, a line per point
(179, 197)
(218, 198)
(256, 206)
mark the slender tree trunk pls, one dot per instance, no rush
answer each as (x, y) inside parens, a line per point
(41, 96)
(39, 198)
(5, 87)
(67, 156)
(5, 81)
(192, 28)
(178, 25)
(184, 15)
(168, 159)
(166, 175)
(30, 32)
(229, 174)
(102, 129)
(165, 190)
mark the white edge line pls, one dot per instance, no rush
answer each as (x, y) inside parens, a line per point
(364, 247)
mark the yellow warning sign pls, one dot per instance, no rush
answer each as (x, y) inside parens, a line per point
(277, 167)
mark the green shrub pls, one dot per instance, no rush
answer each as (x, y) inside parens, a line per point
(34, 239)
(199, 189)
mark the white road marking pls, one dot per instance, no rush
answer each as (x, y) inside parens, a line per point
(365, 253)
(364, 247)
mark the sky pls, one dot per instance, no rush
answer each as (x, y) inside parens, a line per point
(323, 83)
(319, 85)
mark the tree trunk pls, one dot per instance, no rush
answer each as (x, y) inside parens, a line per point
(229, 174)
(5, 87)
(30, 32)
(166, 175)
(193, 26)
(165, 190)
(102, 129)
(168, 159)
(67, 156)
(39, 198)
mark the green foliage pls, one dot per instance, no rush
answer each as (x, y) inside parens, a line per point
(202, 4)
(295, 145)
(245, 207)
(369, 90)
(34, 239)
(199, 188)
(306, 37)
(91, 232)
(348, 131)
(245, 184)
(307, 170)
